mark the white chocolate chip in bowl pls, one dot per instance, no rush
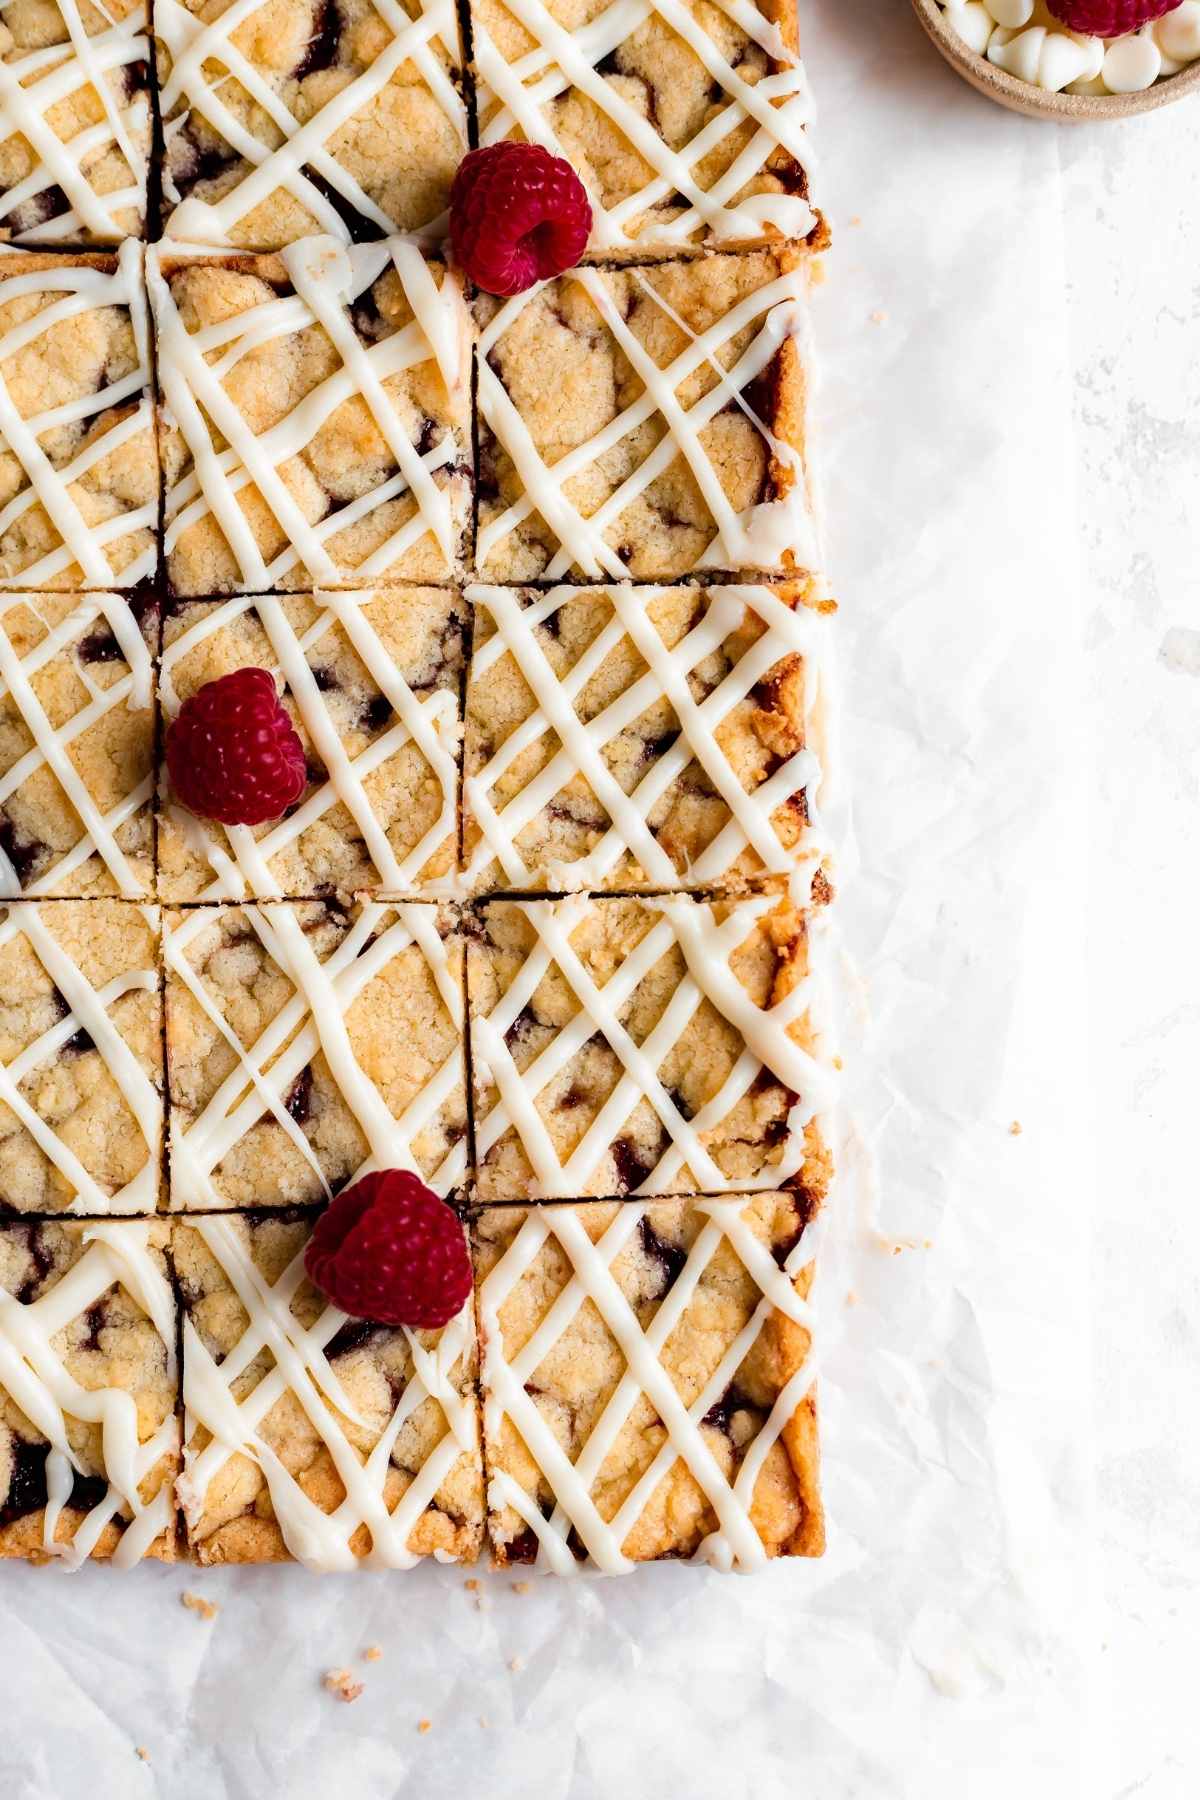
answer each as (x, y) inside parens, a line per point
(973, 23)
(1131, 65)
(1177, 33)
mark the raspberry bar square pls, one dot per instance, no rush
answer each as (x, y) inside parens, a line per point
(339, 116)
(685, 119)
(80, 1057)
(78, 467)
(372, 683)
(308, 1044)
(315, 418)
(310, 1435)
(76, 744)
(645, 1046)
(76, 130)
(89, 1440)
(647, 422)
(622, 737)
(648, 1382)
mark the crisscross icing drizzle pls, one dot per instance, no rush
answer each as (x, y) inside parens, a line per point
(510, 1384)
(113, 416)
(507, 1096)
(228, 457)
(522, 96)
(301, 1368)
(35, 1376)
(299, 161)
(240, 858)
(34, 83)
(774, 533)
(313, 1020)
(51, 746)
(88, 1010)
(750, 839)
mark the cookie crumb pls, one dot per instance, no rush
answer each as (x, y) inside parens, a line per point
(471, 1585)
(851, 1298)
(879, 317)
(372, 1653)
(342, 1684)
(424, 1725)
(1015, 1128)
(141, 1752)
(483, 1723)
(515, 1664)
(522, 1587)
(204, 1609)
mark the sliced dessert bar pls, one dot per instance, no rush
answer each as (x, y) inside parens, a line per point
(685, 119)
(306, 1045)
(648, 1382)
(316, 417)
(89, 1440)
(623, 737)
(76, 130)
(78, 470)
(626, 1046)
(80, 1057)
(647, 422)
(282, 119)
(311, 1435)
(372, 683)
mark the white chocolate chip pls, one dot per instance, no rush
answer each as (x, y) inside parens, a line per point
(1095, 87)
(1178, 33)
(1020, 56)
(1131, 65)
(1063, 60)
(1011, 13)
(973, 23)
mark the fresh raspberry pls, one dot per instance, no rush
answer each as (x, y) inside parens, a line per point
(1108, 18)
(517, 215)
(233, 753)
(389, 1250)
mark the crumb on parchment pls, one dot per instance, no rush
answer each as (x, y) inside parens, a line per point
(424, 1725)
(141, 1752)
(204, 1609)
(372, 1653)
(341, 1684)
(522, 1587)
(1015, 1128)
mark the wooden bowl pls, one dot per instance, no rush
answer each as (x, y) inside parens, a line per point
(1036, 103)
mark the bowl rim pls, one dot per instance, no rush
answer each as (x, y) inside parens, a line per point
(1021, 96)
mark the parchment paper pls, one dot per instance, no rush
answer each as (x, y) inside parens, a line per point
(937, 1650)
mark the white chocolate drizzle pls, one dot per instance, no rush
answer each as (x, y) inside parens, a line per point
(35, 82)
(83, 555)
(327, 279)
(686, 1164)
(242, 860)
(313, 1020)
(197, 45)
(34, 1375)
(509, 1385)
(770, 535)
(788, 631)
(88, 1010)
(301, 1368)
(520, 98)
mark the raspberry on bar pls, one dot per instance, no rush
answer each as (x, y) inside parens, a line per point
(683, 446)
(371, 682)
(686, 119)
(80, 1058)
(76, 132)
(89, 1439)
(76, 744)
(657, 1046)
(308, 1045)
(648, 1382)
(392, 1251)
(233, 754)
(338, 116)
(78, 467)
(517, 215)
(315, 417)
(622, 737)
(334, 1441)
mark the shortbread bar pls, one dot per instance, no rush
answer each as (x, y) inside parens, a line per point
(76, 121)
(307, 1045)
(89, 1439)
(316, 418)
(685, 119)
(647, 422)
(647, 1382)
(657, 1046)
(78, 469)
(80, 1057)
(624, 737)
(342, 116)
(76, 744)
(312, 1436)
(372, 684)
